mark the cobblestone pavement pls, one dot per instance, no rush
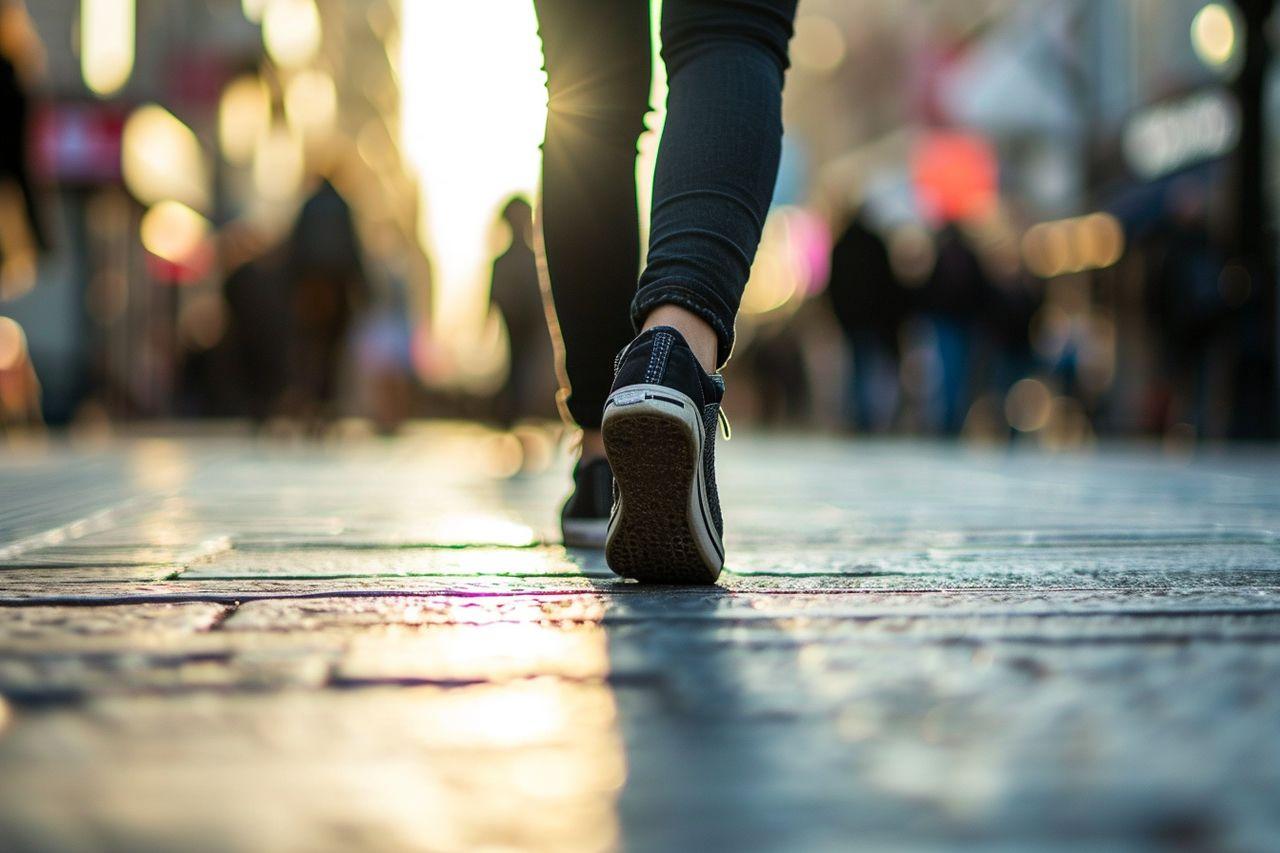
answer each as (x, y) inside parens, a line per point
(210, 644)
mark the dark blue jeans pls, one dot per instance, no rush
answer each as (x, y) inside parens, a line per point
(716, 170)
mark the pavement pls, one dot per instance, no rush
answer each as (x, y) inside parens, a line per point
(211, 643)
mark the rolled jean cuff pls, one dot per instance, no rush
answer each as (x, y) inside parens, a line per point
(692, 297)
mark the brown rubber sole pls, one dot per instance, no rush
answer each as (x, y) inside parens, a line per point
(655, 463)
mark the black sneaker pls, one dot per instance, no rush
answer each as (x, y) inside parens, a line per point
(660, 435)
(585, 517)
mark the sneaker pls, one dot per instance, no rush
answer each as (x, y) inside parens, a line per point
(585, 517)
(660, 435)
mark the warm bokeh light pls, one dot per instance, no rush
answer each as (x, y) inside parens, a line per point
(1028, 405)
(1213, 35)
(473, 145)
(253, 9)
(18, 252)
(162, 159)
(291, 31)
(311, 103)
(107, 43)
(244, 114)
(13, 343)
(174, 232)
(791, 262)
(819, 44)
(1073, 245)
(279, 164)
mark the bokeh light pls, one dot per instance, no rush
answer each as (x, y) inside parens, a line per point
(1213, 35)
(819, 44)
(311, 103)
(162, 159)
(279, 164)
(13, 343)
(291, 32)
(107, 43)
(473, 145)
(174, 232)
(244, 114)
(1028, 405)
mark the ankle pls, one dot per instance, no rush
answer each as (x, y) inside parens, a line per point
(697, 332)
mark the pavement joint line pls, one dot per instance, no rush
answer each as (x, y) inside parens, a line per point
(236, 599)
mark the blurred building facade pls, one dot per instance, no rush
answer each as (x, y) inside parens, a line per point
(182, 155)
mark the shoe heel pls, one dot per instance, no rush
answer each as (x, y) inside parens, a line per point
(660, 531)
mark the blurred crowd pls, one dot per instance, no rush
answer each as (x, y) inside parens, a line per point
(289, 287)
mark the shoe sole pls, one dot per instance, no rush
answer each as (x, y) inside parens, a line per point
(584, 532)
(661, 530)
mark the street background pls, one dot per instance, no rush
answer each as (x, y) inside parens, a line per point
(1043, 222)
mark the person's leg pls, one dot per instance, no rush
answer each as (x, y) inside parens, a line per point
(716, 170)
(717, 165)
(598, 61)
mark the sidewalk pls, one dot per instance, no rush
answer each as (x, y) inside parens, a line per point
(212, 644)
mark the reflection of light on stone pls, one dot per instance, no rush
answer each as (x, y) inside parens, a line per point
(107, 36)
(13, 343)
(474, 145)
(279, 164)
(1213, 35)
(159, 464)
(162, 159)
(536, 764)
(244, 113)
(1027, 406)
(311, 103)
(818, 44)
(498, 651)
(291, 31)
(173, 232)
(478, 530)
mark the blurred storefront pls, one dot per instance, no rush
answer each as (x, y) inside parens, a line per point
(176, 141)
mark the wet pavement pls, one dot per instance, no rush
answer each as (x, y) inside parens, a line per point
(215, 644)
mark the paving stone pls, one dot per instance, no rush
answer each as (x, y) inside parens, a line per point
(916, 647)
(138, 620)
(51, 580)
(355, 562)
(525, 765)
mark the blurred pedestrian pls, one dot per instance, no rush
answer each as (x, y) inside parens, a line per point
(324, 267)
(1189, 306)
(949, 304)
(529, 391)
(259, 325)
(653, 410)
(869, 303)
